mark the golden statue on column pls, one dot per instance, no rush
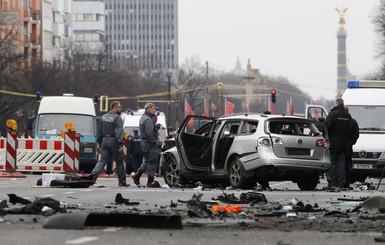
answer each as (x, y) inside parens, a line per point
(341, 13)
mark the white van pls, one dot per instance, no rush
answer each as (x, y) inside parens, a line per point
(366, 102)
(54, 111)
(131, 122)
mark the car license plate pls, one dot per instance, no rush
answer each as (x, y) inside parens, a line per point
(87, 150)
(362, 166)
(298, 151)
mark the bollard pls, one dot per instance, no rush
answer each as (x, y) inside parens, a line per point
(10, 163)
(69, 152)
(11, 154)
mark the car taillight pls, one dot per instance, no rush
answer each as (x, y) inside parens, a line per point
(268, 142)
(264, 141)
(320, 143)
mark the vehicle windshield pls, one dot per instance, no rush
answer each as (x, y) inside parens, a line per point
(130, 131)
(368, 117)
(54, 123)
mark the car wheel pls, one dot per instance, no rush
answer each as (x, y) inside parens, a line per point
(171, 173)
(308, 183)
(237, 179)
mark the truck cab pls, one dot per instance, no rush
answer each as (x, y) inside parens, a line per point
(52, 114)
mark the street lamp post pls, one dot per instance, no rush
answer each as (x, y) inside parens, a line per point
(169, 74)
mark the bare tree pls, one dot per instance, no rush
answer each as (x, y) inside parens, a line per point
(379, 23)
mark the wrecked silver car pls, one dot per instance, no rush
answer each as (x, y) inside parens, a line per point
(242, 150)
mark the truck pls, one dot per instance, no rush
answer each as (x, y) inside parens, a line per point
(366, 102)
(52, 114)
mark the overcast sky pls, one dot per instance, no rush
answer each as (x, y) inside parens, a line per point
(291, 38)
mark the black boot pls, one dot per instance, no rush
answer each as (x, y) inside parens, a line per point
(150, 180)
(136, 177)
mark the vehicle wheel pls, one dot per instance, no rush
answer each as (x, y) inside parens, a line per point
(308, 183)
(171, 173)
(237, 179)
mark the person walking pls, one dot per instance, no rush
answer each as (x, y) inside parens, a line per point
(110, 139)
(149, 137)
(338, 128)
(355, 134)
(135, 151)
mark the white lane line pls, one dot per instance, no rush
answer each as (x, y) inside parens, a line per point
(82, 240)
(86, 190)
(281, 183)
(49, 195)
(69, 192)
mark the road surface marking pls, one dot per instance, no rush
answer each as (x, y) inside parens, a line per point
(82, 240)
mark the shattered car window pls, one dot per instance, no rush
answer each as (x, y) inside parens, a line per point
(293, 128)
(249, 127)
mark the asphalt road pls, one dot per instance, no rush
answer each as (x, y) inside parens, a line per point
(304, 228)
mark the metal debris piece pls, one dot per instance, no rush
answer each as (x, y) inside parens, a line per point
(13, 198)
(120, 200)
(80, 221)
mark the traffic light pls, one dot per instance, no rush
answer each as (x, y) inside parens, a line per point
(273, 95)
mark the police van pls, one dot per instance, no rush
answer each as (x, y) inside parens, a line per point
(54, 111)
(131, 120)
(366, 102)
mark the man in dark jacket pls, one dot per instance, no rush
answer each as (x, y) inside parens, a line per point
(338, 127)
(110, 139)
(135, 151)
(355, 134)
(149, 137)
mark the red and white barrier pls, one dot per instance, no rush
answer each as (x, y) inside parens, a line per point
(71, 152)
(40, 155)
(3, 152)
(10, 160)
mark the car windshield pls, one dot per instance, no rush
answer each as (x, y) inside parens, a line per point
(130, 131)
(368, 117)
(292, 127)
(54, 123)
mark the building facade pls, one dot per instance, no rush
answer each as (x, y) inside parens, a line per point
(55, 29)
(20, 27)
(88, 25)
(143, 32)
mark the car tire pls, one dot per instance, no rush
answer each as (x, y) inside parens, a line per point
(171, 173)
(308, 183)
(237, 178)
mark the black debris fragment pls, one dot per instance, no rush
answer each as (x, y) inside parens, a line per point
(245, 198)
(83, 220)
(3, 204)
(196, 208)
(173, 204)
(154, 184)
(13, 198)
(253, 198)
(36, 207)
(120, 200)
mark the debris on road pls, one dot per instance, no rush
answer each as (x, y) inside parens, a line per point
(46, 206)
(83, 220)
(120, 200)
(13, 198)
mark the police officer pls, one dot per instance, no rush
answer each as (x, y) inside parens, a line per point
(110, 138)
(149, 137)
(135, 150)
(338, 128)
